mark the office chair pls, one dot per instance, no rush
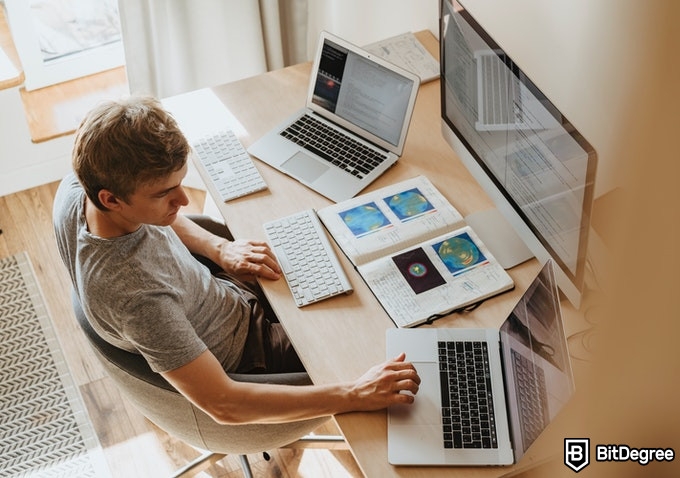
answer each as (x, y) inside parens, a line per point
(159, 402)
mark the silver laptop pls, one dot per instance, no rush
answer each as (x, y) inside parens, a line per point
(512, 384)
(353, 126)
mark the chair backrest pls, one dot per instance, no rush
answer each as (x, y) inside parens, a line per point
(158, 401)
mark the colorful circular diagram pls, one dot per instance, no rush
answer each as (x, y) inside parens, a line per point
(458, 253)
(409, 203)
(417, 269)
(364, 219)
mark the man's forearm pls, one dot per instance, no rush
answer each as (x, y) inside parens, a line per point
(197, 239)
(206, 385)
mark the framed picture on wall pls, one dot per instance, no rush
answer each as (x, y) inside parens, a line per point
(59, 40)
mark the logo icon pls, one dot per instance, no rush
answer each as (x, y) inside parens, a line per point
(577, 453)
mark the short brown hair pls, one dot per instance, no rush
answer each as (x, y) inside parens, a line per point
(122, 144)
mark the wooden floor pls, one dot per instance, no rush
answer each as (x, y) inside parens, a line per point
(132, 445)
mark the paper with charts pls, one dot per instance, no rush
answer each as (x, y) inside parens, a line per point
(415, 252)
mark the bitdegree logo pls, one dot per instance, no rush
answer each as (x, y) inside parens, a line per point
(577, 453)
(625, 453)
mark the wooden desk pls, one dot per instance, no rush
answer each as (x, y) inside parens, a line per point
(340, 338)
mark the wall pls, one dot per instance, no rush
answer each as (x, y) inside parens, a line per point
(587, 56)
(24, 164)
(363, 22)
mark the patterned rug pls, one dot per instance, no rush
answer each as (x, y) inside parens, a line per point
(44, 427)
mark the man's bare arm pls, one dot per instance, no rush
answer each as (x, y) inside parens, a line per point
(205, 384)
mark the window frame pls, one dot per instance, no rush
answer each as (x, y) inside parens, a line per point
(38, 73)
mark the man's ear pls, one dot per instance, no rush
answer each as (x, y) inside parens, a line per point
(108, 199)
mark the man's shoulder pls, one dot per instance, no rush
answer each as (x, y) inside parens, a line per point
(68, 193)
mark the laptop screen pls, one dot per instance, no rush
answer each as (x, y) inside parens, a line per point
(536, 361)
(363, 92)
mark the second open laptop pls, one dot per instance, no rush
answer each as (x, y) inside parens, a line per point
(353, 126)
(485, 394)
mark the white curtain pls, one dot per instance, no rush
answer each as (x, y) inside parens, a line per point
(175, 46)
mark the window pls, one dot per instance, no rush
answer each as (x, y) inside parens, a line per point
(59, 40)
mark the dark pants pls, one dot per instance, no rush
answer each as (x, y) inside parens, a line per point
(268, 349)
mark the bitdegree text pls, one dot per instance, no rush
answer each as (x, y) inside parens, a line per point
(641, 455)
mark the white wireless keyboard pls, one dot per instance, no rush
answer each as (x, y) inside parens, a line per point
(230, 167)
(307, 258)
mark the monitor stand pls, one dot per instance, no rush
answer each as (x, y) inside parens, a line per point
(500, 237)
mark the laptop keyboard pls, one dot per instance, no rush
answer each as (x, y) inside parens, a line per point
(333, 146)
(467, 401)
(307, 258)
(228, 164)
(532, 398)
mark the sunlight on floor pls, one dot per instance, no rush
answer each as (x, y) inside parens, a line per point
(310, 463)
(315, 463)
(130, 458)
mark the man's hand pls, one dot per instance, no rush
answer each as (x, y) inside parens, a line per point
(248, 259)
(245, 259)
(385, 384)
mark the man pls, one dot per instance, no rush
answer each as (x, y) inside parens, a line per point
(129, 255)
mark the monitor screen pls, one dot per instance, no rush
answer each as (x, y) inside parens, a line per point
(532, 162)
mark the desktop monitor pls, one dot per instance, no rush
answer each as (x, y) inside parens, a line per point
(532, 162)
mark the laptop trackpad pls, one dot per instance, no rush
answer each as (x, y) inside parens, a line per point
(304, 167)
(426, 409)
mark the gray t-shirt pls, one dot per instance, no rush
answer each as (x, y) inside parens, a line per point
(144, 292)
